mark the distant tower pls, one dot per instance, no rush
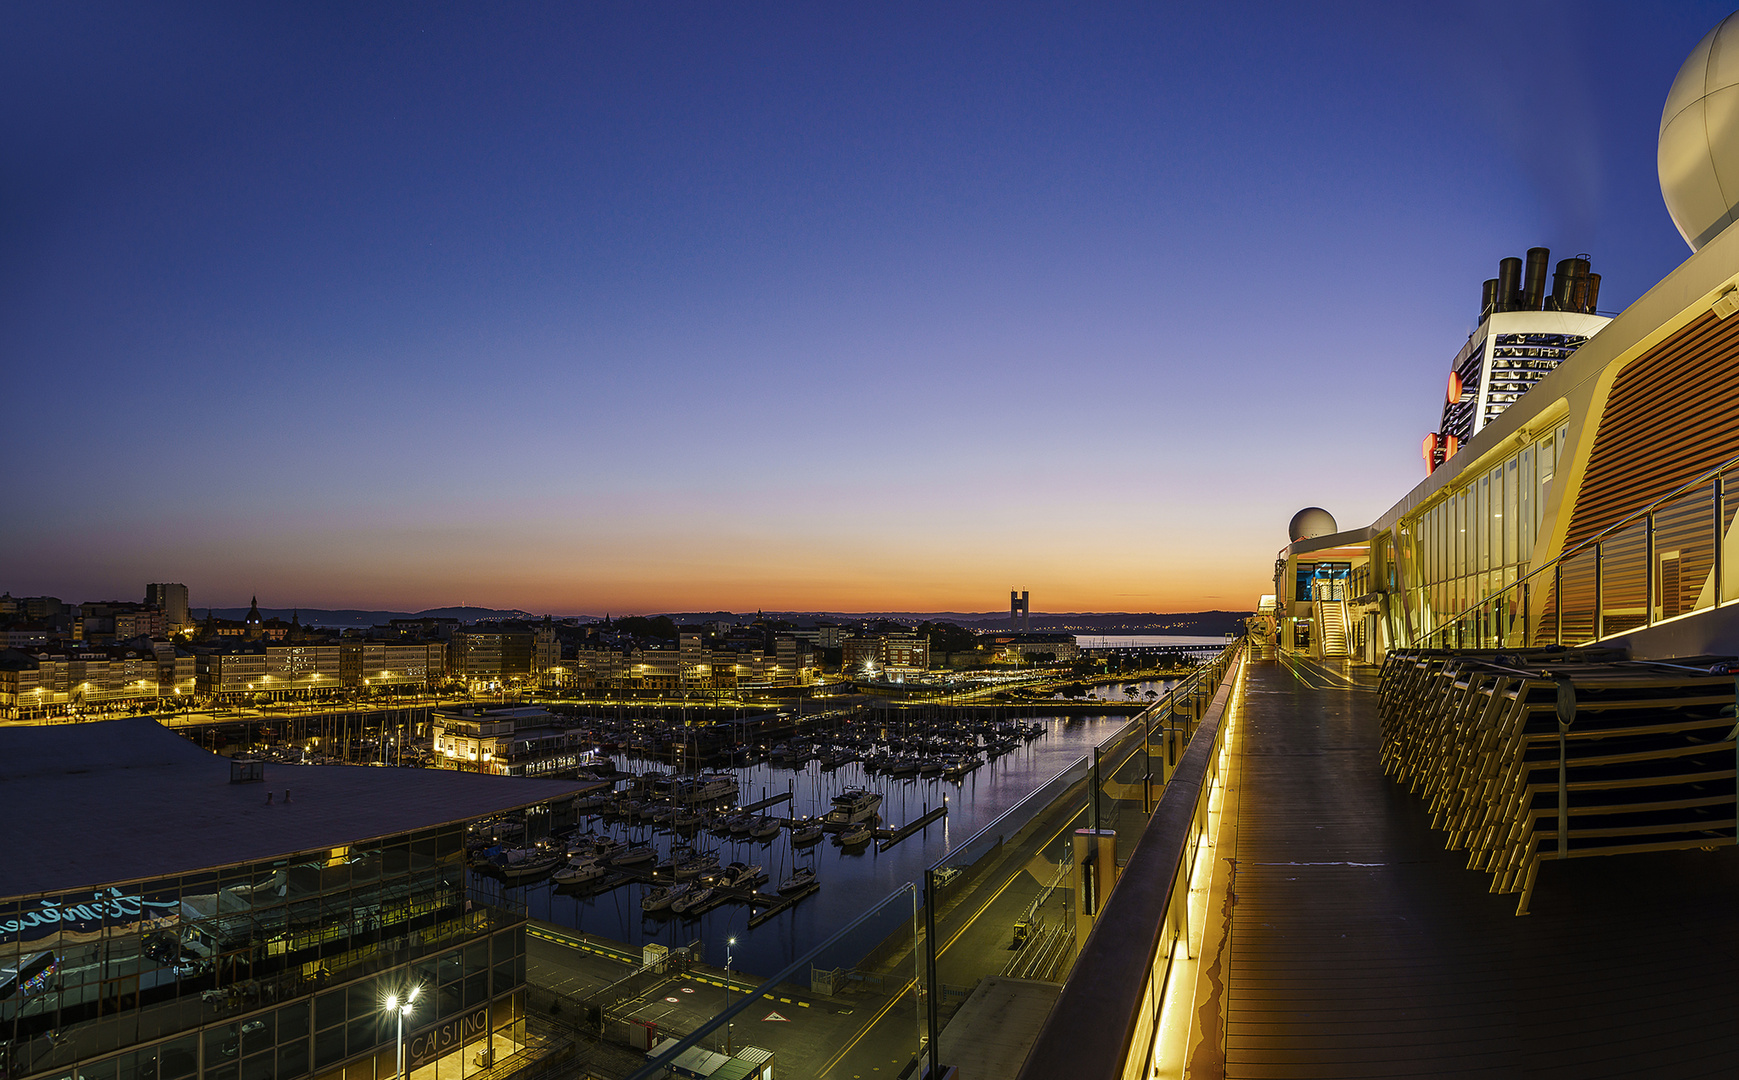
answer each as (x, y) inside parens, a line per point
(1019, 611)
(252, 621)
(172, 598)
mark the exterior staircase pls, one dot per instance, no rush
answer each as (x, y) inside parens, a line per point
(1331, 627)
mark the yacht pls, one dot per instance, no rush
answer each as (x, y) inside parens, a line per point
(853, 805)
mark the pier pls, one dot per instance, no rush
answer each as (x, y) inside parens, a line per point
(890, 837)
(771, 800)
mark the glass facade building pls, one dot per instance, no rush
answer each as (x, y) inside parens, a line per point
(265, 971)
(198, 952)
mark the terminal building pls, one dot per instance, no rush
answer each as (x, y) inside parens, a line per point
(169, 914)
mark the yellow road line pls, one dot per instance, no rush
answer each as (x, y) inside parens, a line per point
(944, 948)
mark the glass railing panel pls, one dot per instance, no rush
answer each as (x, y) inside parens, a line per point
(851, 1005)
(1624, 579)
(1684, 544)
(1729, 585)
(1576, 598)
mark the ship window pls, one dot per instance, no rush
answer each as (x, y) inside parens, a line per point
(1512, 551)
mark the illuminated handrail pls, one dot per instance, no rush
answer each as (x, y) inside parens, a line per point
(1595, 544)
(1106, 1021)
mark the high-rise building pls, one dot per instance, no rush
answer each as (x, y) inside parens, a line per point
(171, 597)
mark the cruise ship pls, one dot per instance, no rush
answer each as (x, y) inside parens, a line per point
(1466, 802)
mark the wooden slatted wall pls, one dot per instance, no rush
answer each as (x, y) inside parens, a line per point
(1671, 415)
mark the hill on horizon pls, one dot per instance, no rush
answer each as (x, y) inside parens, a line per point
(1185, 622)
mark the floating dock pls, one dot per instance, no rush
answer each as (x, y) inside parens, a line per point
(890, 837)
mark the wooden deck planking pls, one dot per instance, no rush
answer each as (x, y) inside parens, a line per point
(1411, 967)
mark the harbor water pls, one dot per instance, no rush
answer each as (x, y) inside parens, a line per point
(851, 881)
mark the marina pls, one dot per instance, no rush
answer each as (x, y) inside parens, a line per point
(913, 819)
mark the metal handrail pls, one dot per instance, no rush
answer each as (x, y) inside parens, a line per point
(1101, 1024)
(1592, 542)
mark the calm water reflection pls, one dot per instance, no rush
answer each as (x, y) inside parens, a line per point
(850, 883)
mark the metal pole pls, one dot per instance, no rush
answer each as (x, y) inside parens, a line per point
(728, 945)
(1147, 759)
(1566, 715)
(1558, 601)
(401, 1066)
(1095, 789)
(933, 987)
(1650, 578)
(1599, 589)
(1720, 516)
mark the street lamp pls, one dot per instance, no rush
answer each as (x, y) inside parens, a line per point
(403, 1009)
(730, 943)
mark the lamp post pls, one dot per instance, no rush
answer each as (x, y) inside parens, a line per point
(403, 1009)
(730, 943)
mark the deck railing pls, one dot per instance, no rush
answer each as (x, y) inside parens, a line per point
(1106, 1023)
(1654, 564)
(891, 950)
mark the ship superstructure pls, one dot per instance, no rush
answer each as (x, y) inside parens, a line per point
(1524, 333)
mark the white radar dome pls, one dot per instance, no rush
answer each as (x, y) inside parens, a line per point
(1698, 153)
(1310, 523)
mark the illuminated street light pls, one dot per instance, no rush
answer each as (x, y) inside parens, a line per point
(730, 943)
(403, 1009)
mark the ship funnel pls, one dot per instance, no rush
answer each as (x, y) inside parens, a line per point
(1509, 283)
(1573, 287)
(1488, 298)
(1534, 284)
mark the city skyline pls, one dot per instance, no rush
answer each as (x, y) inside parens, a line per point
(645, 310)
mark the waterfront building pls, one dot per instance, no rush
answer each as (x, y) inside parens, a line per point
(298, 670)
(493, 655)
(1014, 648)
(49, 681)
(897, 653)
(508, 741)
(723, 664)
(219, 920)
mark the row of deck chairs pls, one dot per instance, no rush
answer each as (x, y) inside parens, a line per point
(1526, 755)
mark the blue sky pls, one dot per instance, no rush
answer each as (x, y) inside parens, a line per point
(682, 306)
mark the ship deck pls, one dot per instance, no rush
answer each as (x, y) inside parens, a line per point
(1356, 946)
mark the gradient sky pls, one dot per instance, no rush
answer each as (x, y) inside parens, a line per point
(687, 306)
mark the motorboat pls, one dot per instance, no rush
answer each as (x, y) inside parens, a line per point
(853, 805)
(661, 898)
(800, 879)
(741, 875)
(692, 900)
(855, 835)
(579, 872)
(806, 834)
